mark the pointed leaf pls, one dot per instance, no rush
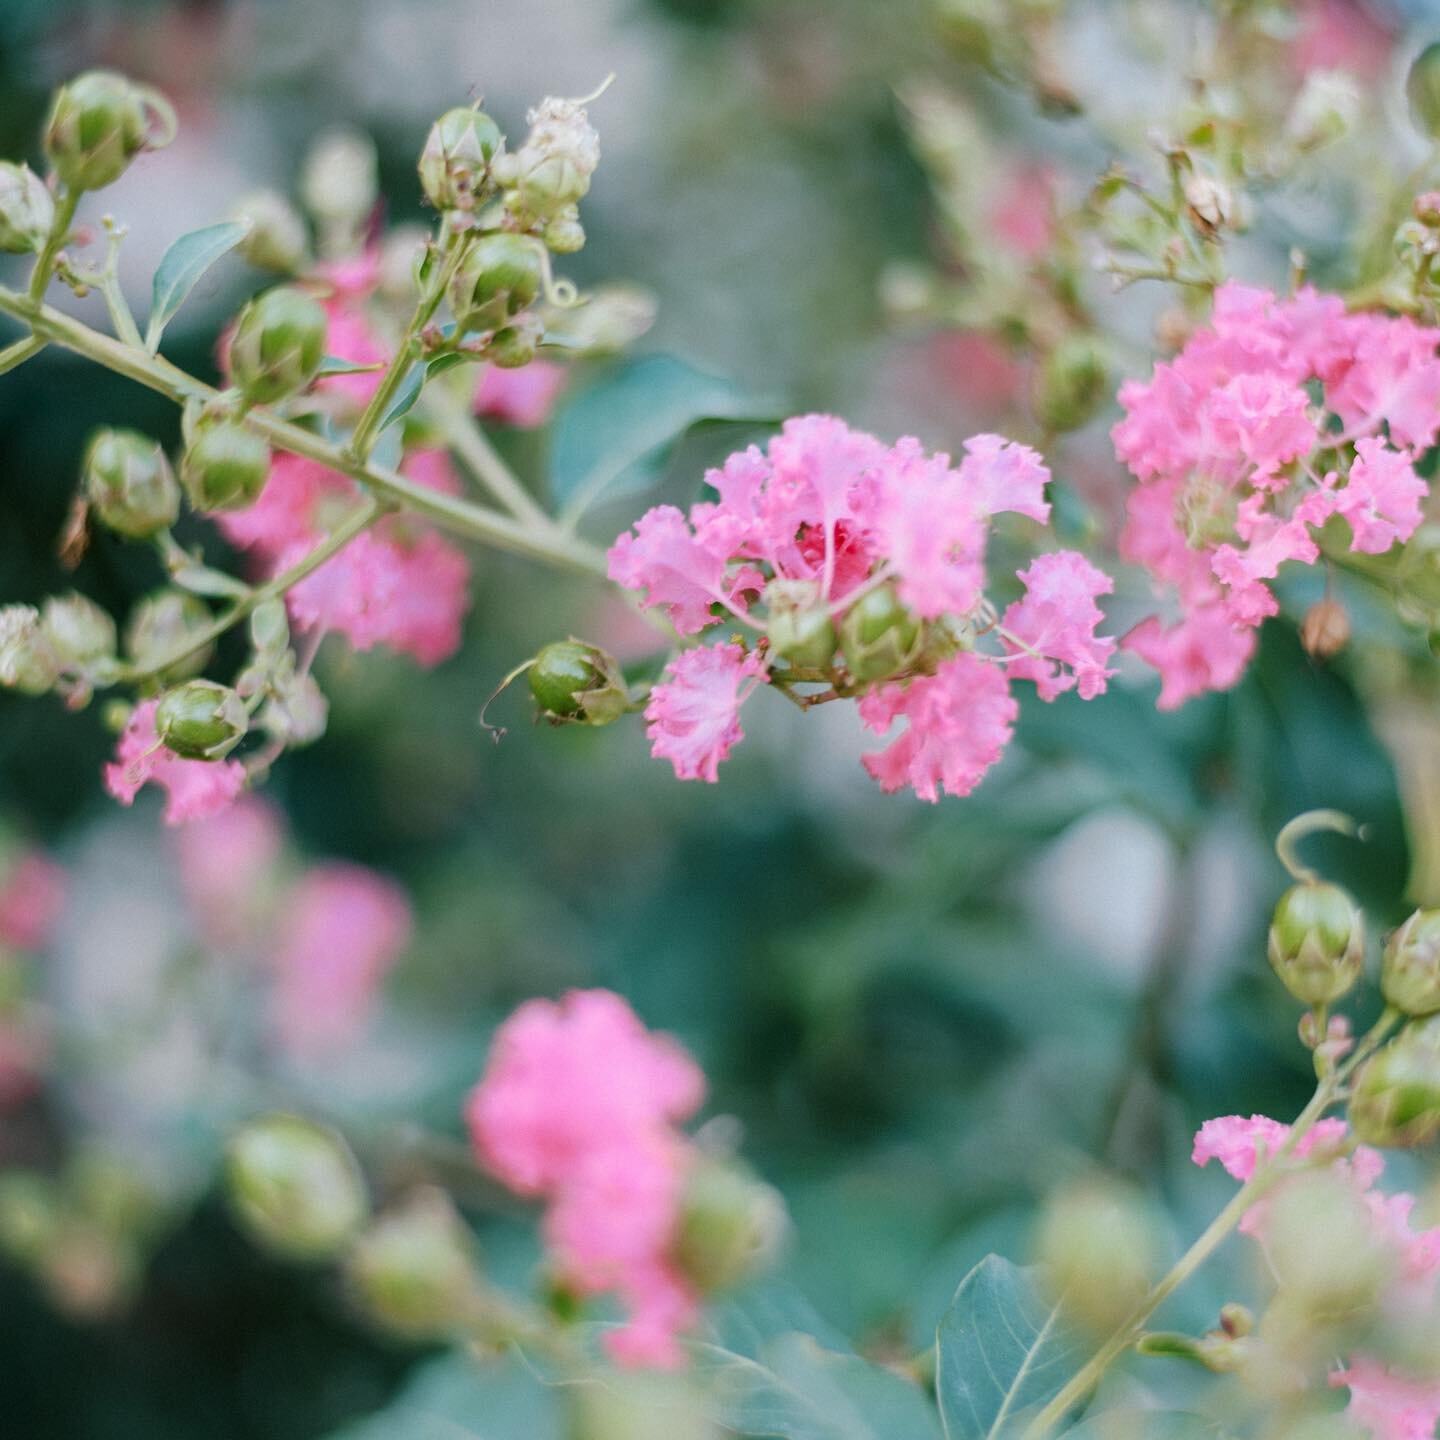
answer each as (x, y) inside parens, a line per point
(335, 365)
(181, 269)
(405, 397)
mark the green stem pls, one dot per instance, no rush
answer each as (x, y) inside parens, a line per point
(473, 446)
(20, 352)
(59, 232)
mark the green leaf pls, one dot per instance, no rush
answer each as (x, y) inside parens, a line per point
(335, 365)
(405, 397)
(611, 438)
(181, 269)
(1146, 1425)
(1001, 1352)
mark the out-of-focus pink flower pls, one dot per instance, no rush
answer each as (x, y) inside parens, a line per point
(226, 867)
(1343, 35)
(1237, 1143)
(342, 930)
(351, 336)
(1389, 1406)
(24, 1050)
(1022, 210)
(1056, 620)
(1205, 651)
(1382, 499)
(523, 396)
(693, 715)
(32, 895)
(194, 789)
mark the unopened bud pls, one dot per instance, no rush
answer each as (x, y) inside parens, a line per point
(552, 170)
(1071, 384)
(1414, 244)
(277, 240)
(414, 1268)
(99, 123)
(499, 277)
(130, 485)
(576, 683)
(225, 466)
(160, 625)
(731, 1224)
(799, 625)
(1422, 89)
(27, 210)
(1324, 111)
(400, 255)
(28, 663)
(1325, 630)
(278, 344)
(201, 720)
(1317, 942)
(878, 635)
(1212, 206)
(1410, 966)
(79, 631)
(295, 1187)
(270, 627)
(515, 345)
(455, 164)
(1344, 1273)
(564, 234)
(637, 1404)
(1427, 208)
(1396, 1096)
(341, 179)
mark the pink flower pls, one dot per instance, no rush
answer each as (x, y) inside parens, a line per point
(226, 864)
(194, 789)
(960, 720)
(693, 717)
(664, 559)
(524, 396)
(1237, 1142)
(1389, 1406)
(342, 930)
(32, 895)
(1382, 498)
(299, 499)
(1205, 651)
(1057, 619)
(351, 336)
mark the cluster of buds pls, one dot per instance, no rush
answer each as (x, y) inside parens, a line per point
(69, 645)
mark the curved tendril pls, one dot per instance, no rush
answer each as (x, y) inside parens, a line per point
(562, 294)
(1307, 824)
(497, 732)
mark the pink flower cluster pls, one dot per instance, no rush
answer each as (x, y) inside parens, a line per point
(1274, 418)
(579, 1106)
(1387, 1404)
(830, 514)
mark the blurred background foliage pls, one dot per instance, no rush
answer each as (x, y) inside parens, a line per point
(920, 1017)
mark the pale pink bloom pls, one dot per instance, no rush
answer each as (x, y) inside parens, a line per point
(1389, 1406)
(1237, 1143)
(523, 396)
(1057, 619)
(1265, 419)
(694, 715)
(959, 721)
(1382, 497)
(32, 895)
(227, 866)
(194, 789)
(663, 559)
(351, 336)
(342, 930)
(1393, 377)
(1022, 211)
(1343, 35)
(1204, 651)
(300, 501)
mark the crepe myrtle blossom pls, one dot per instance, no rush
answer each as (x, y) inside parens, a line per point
(861, 567)
(194, 789)
(1274, 419)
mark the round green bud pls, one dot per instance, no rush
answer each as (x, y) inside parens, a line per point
(564, 234)
(1396, 1096)
(800, 626)
(79, 631)
(1344, 1275)
(278, 344)
(341, 178)
(27, 210)
(295, 1187)
(513, 346)
(1072, 383)
(579, 684)
(1410, 967)
(1422, 89)
(731, 1225)
(129, 484)
(878, 635)
(160, 625)
(499, 277)
(99, 123)
(455, 163)
(28, 662)
(277, 240)
(270, 627)
(201, 720)
(640, 1405)
(1317, 942)
(225, 466)
(415, 1269)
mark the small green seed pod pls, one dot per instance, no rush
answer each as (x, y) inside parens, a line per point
(99, 123)
(878, 635)
(578, 684)
(1396, 1096)
(201, 720)
(27, 210)
(225, 466)
(129, 484)
(1410, 967)
(28, 663)
(160, 625)
(278, 345)
(1317, 942)
(800, 627)
(277, 239)
(79, 631)
(455, 163)
(500, 276)
(730, 1227)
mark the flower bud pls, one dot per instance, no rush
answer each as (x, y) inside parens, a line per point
(201, 720)
(1422, 88)
(160, 625)
(341, 179)
(576, 683)
(499, 277)
(455, 163)
(225, 466)
(414, 1269)
(564, 234)
(79, 631)
(1426, 208)
(270, 627)
(1346, 1271)
(552, 170)
(1317, 942)
(1071, 384)
(730, 1227)
(28, 663)
(1410, 967)
(1325, 630)
(400, 255)
(800, 628)
(1396, 1095)
(1211, 203)
(295, 1187)
(878, 635)
(1414, 243)
(129, 484)
(277, 240)
(1324, 111)
(515, 345)
(99, 123)
(639, 1405)
(27, 210)
(278, 344)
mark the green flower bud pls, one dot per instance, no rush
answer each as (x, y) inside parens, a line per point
(1071, 384)
(28, 663)
(400, 255)
(28, 1214)
(455, 163)
(129, 484)
(277, 240)
(1410, 969)
(1396, 1096)
(270, 627)
(1422, 88)
(731, 1225)
(225, 466)
(1317, 942)
(414, 1269)
(99, 123)
(1349, 1270)
(564, 234)
(27, 210)
(295, 1187)
(341, 179)
(578, 684)
(79, 631)
(552, 170)
(278, 345)
(800, 628)
(499, 277)
(878, 635)
(201, 720)
(639, 1405)
(160, 625)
